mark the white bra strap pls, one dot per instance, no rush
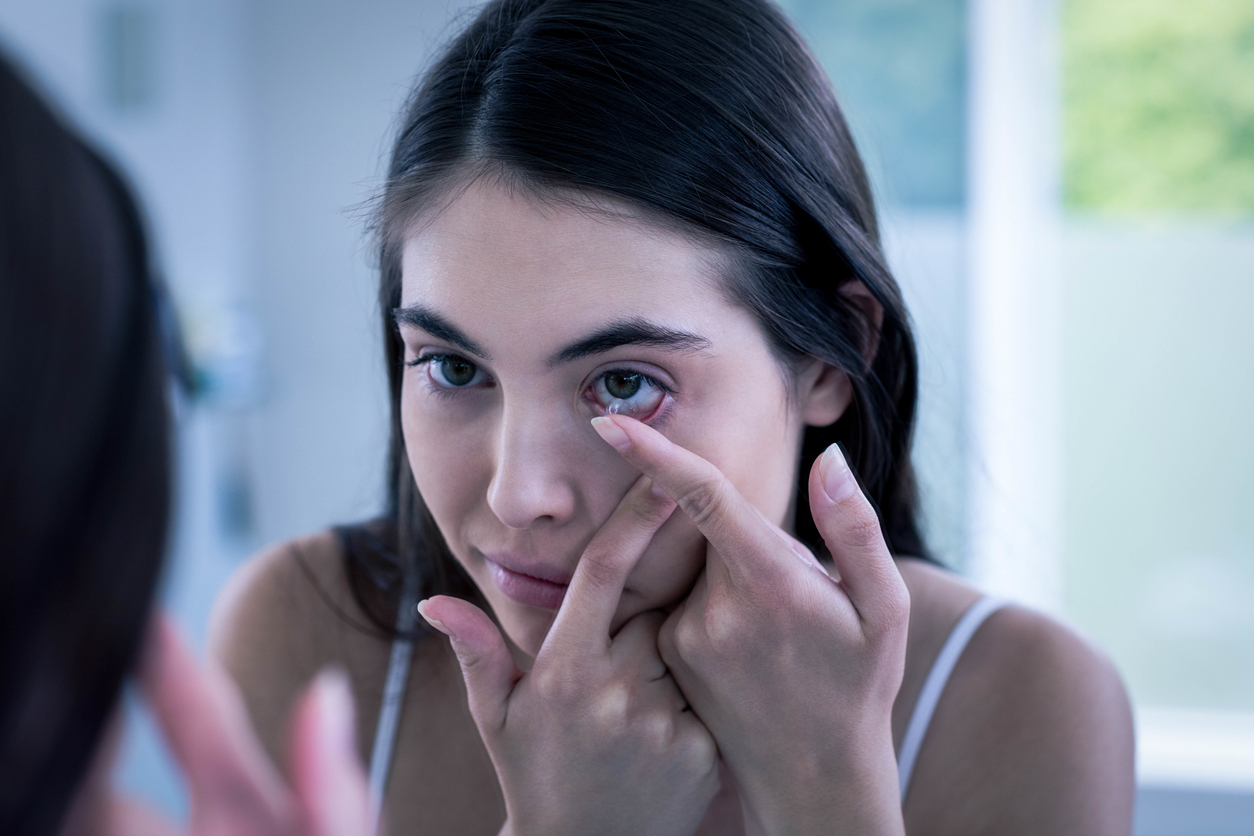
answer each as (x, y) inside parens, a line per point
(393, 697)
(937, 677)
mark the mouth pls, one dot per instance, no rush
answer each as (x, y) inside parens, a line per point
(533, 585)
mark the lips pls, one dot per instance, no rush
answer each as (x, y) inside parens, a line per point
(527, 583)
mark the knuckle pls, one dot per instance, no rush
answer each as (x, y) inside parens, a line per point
(649, 510)
(657, 730)
(612, 707)
(723, 630)
(863, 528)
(701, 499)
(468, 659)
(600, 564)
(553, 686)
(688, 638)
(699, 751)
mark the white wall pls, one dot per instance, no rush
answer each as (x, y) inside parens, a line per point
(268, 125)
(329, 78)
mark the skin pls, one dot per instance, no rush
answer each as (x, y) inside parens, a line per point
(516, 466)
(231, 783)
(683, 632)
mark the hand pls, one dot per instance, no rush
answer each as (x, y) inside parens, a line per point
(596, 737)
(232, 785)
(792, 671)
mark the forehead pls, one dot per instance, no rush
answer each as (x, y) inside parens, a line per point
(506, 264)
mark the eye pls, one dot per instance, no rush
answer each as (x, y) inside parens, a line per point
(626, 392)
(449, 371)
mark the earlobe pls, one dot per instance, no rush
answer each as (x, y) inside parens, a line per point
(826, 393)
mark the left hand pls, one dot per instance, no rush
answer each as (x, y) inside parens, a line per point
(793, 672)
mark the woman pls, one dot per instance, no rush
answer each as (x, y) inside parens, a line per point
(85, 466)
(640, 337)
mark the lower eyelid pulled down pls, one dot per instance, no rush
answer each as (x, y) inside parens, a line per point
(600, 397)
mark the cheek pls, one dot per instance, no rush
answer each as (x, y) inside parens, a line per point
(446, 465)
(754, 442)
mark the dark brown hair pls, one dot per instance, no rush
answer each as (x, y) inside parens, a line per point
(84, 454)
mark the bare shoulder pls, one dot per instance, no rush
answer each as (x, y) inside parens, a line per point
(1032, 734)
(282, 590)
(290, 611)
(284, 615)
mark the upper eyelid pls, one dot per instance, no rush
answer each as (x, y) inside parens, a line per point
(437, 353)
(427, 354)
(621, 366)
(422, 336)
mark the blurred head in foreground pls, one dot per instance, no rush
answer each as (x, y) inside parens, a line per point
(85, 474)
(84, 453)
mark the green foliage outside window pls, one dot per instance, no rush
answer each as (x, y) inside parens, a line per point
(1159, 106)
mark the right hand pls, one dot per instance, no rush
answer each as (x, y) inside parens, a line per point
(596, 738)
(233, 787)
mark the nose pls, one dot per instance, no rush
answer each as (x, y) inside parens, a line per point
(534, 481)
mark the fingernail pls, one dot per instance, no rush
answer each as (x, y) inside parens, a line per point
(434, 622)
(335, 711)
(838, 479)
(612, 433)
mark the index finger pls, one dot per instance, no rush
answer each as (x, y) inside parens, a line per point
(203, 720)
(743, 538)
(583, 622)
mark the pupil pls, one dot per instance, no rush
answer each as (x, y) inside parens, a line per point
(622, 384)
(458, 372)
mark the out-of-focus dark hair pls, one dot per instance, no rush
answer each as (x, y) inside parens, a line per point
(84, 454)
(711, 115)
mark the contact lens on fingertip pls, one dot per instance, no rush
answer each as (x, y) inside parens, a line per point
(617, 406)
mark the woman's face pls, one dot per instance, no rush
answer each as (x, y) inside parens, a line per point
(522, 321)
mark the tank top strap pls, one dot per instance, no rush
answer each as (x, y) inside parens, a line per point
(402, 653)
(935, 683)
(393, 697)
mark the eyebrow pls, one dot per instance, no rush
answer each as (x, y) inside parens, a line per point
(633, 331)
(438, 327)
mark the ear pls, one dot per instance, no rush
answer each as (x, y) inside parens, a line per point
(872, 310)
(824, 393)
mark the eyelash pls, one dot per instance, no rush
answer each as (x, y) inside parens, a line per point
(661, 415)
(433, 387)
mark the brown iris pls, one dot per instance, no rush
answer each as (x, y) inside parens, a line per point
(622, 385)
(457, 371)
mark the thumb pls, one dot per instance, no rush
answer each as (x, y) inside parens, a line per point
(487, 666)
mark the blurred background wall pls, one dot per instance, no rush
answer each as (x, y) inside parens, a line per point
(1067, 194)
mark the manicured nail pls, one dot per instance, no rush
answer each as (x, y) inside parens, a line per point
(336, 720)
(612, 433)
(838, 479)
(434, 622)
